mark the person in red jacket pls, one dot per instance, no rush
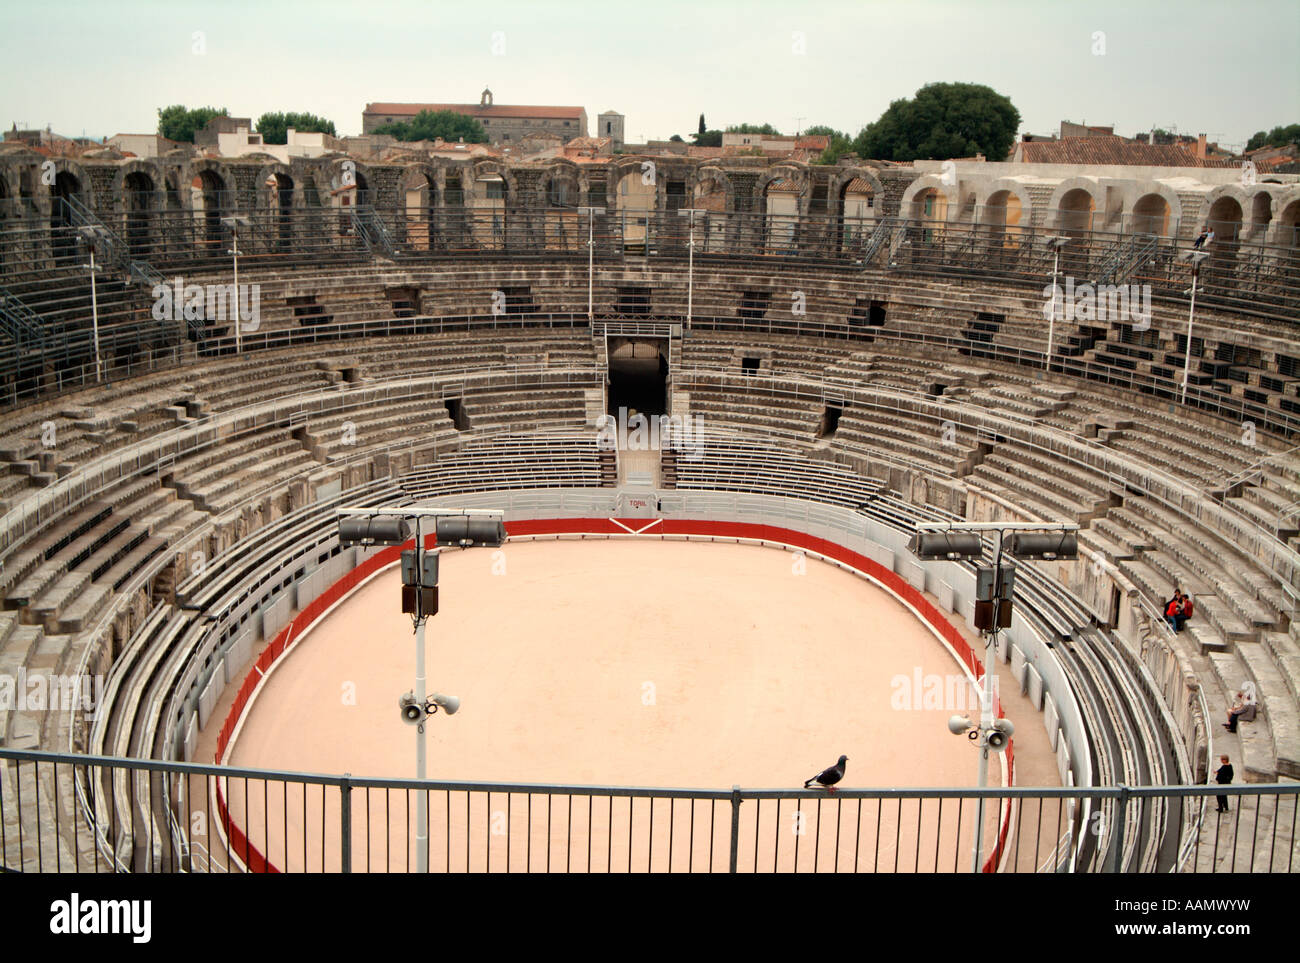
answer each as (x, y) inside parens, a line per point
(1173, 609)
(1184, 613)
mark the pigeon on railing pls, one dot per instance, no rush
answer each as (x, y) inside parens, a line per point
(828, 777)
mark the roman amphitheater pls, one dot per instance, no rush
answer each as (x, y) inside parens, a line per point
(856, 350)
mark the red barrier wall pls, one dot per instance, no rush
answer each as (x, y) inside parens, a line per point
(892, 581)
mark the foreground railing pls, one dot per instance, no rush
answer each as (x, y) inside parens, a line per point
(241, 820)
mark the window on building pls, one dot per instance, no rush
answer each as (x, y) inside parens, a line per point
(609, 126)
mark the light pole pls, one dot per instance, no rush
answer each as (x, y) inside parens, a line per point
(464, 528)
(91, 235)
(591, 250)
(962, 541)
(1055, 243)
(690, 263)
(234, 223)
(1195, 257)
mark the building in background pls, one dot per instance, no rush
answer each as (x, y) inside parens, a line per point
(610, 124)
(503, 124)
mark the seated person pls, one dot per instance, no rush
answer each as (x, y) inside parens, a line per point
(1174, 608)
(1185, 613)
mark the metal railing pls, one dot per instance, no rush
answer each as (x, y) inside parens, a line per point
(251, 820)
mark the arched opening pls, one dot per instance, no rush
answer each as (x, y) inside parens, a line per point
(1225, 220)
(1001, 216)
(490, 195)
(421, 200)
(139, 203)
(65, 189)
(1074, 216)
(781, 200)
(559, 202)
(1151, 215)
(1261, 215)
(280, 197)
(637, 200)
(710, 231)
(857, 212)
(208, 202)
(638, 377)
(1288, 226)
(929, 207)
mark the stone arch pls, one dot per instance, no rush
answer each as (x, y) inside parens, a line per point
(711, 190)
(1075, 205)
(794, 179)
(1153, 208)
(561, 185)
(1285, 229)
(1224, 215)
(858, 178)
(1259, 214)
(1004, 204)
(418, 194)
(928, 198)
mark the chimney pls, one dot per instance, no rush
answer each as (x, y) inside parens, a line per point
(1200, 146)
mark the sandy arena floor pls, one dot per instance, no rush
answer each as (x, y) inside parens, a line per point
(619, 663)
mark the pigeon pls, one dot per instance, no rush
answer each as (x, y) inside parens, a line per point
(829, 777)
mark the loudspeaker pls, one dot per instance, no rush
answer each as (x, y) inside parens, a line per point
(427, 600)
(373, 530)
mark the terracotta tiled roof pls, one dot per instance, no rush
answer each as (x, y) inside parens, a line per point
(478, 110)
(812, 142)
(783, 186)
(1112, 150)
(859, 185)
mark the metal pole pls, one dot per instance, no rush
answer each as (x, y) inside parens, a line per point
(422, 797)
(239, 341)
(1191, 313)
(1051, 323)
(94, 316)
(986, 707)
(690, 275)
(591, 248)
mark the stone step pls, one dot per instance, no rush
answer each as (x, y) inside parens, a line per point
(1257, 760)
(1278, 704)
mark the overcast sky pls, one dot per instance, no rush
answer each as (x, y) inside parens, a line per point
(102, 67)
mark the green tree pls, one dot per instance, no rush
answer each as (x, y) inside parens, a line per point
(676, 139)
(710, 138)
(841, 143)
(432, 124)
(1277, 137)
(753, 129)
(943, 121)
(702, 129)
(274, 127)
(178, 122)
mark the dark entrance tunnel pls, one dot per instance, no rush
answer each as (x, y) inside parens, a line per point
(638, 378)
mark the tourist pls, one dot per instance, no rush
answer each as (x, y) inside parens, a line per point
(1223, 776)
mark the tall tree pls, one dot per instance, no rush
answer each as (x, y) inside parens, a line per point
(274, 127)
(702, 129)
(432, 124)
(178, 122)
(943, 121)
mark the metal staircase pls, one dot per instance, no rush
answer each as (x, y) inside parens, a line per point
(879, 238)
(370, 226)
(20, 323)
(1127, 257)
